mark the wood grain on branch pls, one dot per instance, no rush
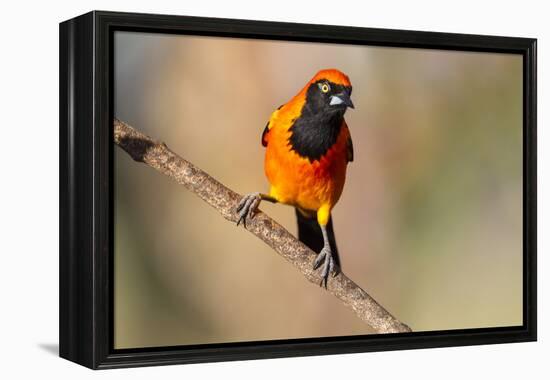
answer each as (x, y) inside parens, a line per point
(157, 155)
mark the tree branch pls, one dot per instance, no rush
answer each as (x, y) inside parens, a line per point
(157, 155)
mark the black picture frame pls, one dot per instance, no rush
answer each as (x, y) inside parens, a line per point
(86, 183)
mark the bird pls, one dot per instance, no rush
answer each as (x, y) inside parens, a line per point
(308, 147)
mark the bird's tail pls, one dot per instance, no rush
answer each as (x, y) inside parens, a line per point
(309, 233)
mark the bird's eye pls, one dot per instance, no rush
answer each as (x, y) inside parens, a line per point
(324, 87)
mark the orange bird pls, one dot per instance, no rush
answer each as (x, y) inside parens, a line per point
(308, 147)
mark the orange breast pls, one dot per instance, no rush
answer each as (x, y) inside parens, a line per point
(297, 181)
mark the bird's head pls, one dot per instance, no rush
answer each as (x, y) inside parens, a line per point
(329, 91)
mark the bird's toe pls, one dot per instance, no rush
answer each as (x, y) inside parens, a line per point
(247, 206)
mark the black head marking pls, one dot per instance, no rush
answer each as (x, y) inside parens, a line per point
(316, 130)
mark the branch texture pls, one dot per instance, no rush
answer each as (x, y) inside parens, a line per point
(157, 155)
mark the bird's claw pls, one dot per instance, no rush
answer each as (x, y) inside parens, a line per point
(325, 258)
(247, 207)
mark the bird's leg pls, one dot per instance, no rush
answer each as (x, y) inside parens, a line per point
(249, 204)
(325, 257)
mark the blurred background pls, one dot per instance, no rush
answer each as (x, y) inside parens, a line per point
(429, 222)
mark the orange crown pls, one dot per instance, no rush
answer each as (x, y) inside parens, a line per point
(333, 75)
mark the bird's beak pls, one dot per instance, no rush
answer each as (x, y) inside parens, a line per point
(342, 98)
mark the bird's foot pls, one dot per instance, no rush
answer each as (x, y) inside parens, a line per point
(325, 259)
(247, 207)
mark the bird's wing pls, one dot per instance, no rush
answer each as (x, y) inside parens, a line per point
(349, 143)
(268, 126)
(264, 134)
(350, 149)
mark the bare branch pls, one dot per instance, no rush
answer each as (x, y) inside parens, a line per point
(157, 155)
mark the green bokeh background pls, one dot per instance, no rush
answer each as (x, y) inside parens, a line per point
(429, 222)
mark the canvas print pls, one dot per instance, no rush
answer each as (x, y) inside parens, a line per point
(399, 168)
